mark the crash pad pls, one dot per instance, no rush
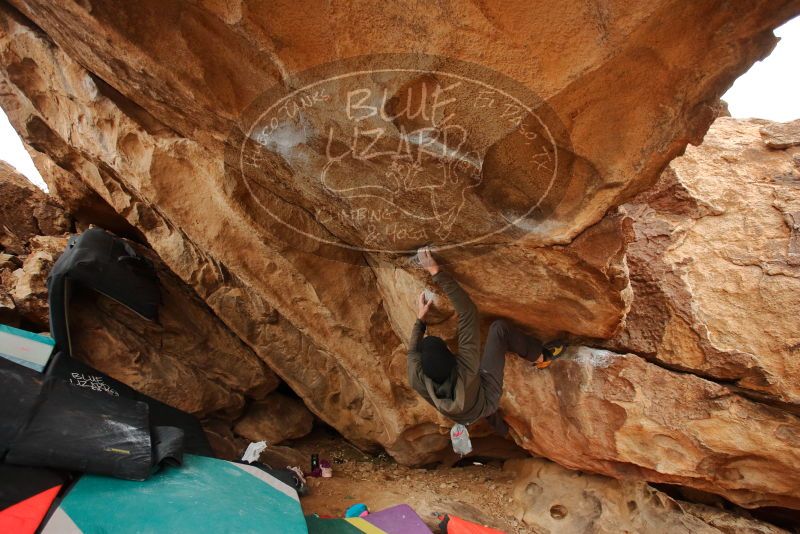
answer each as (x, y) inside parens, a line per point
(352, 525)
(20, 387)
(25, 348)
(205, 495)
(100, 261)
(84, 376)
(455, 525)
(81, 430)
(26, 516)
(400, 519)
(26, 495)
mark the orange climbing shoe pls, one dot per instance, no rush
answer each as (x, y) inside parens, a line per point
(550, 353)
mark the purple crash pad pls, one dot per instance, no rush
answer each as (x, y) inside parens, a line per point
(400, 519)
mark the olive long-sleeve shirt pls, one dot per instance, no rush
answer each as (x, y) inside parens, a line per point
(462, 397)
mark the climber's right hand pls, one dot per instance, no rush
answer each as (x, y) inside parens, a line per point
(427, 261)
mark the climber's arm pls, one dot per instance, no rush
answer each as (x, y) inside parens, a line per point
(469, 358)
(414, 355)
(415, 374)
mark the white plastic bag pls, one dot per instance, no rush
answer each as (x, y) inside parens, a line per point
(459, 436)
(254, 451)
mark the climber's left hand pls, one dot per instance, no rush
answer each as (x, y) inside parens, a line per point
(423, 306)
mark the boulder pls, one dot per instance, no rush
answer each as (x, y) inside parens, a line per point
(621, 416)
(194, 70)
(268, 294)
(551, 499)
(781, 135)
(26, 211)
(278, 457)
(275, 419)
(187, 358)
(32, 226)
(8, 308)
(223, 442)
(29, 289)
(714, 264)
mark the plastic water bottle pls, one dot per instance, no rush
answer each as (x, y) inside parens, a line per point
(459, 436)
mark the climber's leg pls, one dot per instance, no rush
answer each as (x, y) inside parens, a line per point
(498, 424)
(503, 337)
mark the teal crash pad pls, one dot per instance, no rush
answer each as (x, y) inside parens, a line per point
(204, 495)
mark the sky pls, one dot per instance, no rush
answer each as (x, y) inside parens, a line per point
(769, 90)
(12, 151)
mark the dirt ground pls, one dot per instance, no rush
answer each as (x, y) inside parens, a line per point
(480, 493)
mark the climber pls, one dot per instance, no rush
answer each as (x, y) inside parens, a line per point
(466, 387)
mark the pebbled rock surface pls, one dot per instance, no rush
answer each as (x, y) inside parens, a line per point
(131, 106)
(551, 499)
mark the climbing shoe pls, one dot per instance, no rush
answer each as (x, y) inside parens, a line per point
(550, 353)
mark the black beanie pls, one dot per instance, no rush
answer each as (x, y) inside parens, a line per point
(437, 360)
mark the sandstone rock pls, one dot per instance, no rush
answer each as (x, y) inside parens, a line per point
(206, 63)
(302, 289)
(84, 205)
(715, 263)
(551, 499)
(30, 281)
(8, 310)
(27, 214)
(275, 419)
(489, 447)
(594, 259)
(278, 457)
(723, 110)
(222, 439)
(618, 415)
(730, 523)
(26, 211)
(139, 106)
(781, 135)
(188, 359)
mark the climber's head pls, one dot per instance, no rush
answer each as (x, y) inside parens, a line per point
(437, 360)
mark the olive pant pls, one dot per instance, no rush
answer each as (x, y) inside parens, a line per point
(503, 337)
